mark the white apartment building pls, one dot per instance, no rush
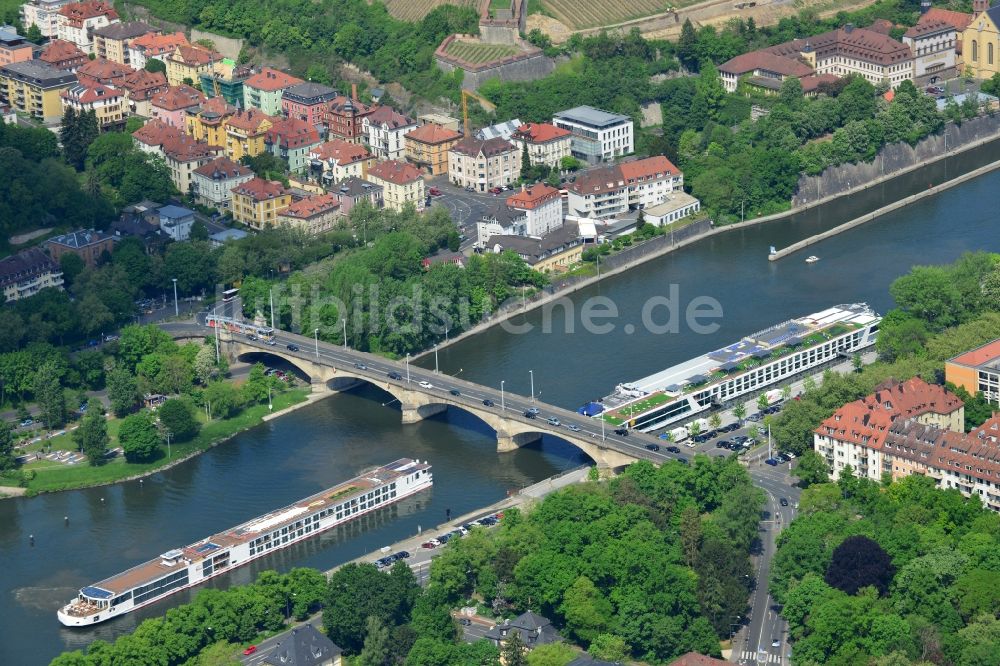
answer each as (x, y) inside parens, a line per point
(542, 207)
(607, 191)
(44, 14)
(484, 164)
(933, 44)
(337, 160)
(401, 184)
(214, 182)
(547, 144)
(385, 130)
(597, 135)
(78, 20)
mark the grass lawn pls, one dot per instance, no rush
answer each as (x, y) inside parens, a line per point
(51, 476)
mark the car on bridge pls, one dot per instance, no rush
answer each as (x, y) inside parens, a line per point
(360, 366)
(394, 375)
(554, 421)
(426, 385)
(572, 427)
(292, 347)
(528, 414)
(621, 431)
(489, 403)
(455, 391)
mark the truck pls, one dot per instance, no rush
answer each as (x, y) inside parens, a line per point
(678, 435)
(773, 396)
(703, 425)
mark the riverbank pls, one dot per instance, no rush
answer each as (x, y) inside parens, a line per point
(871, 217)
(74, 477)
(643, 258)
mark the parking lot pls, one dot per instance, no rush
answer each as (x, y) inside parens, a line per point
(466, 208)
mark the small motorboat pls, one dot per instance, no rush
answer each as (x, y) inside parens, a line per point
(812, 259)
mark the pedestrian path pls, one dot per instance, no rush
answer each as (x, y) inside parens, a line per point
(750, 657)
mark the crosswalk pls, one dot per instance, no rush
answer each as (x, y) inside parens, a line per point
(749, 657)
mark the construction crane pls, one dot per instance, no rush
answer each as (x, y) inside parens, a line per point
(483, 102)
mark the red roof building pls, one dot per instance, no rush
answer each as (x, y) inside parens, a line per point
(63, 55)
(76, 13)
(401, 183)
(171, 105)
(344, 117)
(314, 214)
(153, 46)
(271, 79)
(854, 434)
(535, 196)
(259, 189)
(101, 71)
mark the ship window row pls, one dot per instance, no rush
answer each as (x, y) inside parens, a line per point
(161, 586)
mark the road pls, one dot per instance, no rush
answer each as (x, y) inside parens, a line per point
(266, 647)
(466, 208)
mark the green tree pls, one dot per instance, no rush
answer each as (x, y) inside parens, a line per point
(715, 421)
(222, 399)
(7, 461)
(71, 266)
(376, 648)
(586, 610)
(859, 562)
(123, 393)
(512, 652)
(139, 437)
(156, 65)
(551, 654)
(205, 368)
(34, 34)
(609, 647)
(740, 412)
(48, 391)
(811, 469)
(762, 402)
(92, 437)
(177, 416)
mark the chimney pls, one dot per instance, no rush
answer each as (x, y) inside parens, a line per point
(980, 6)
(849, 28)
(354, 91)
(925, 6)
(522, 187)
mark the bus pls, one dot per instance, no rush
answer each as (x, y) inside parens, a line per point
(229, 295)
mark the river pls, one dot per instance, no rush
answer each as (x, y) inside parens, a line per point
(116, 527)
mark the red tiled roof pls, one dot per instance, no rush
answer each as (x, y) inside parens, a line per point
(388, 116)
(342, 105)
(103, 71)
(870, 417)
(979, 355)
(960, 20)
(472, 147)
(186, 149)
(529, 198)
(259, 189)
(178, 97)
(540, 132)
(312, 206)
(77, 12)
(340, 151)
(292, 133)
(650, 167)
(271, 79)
(812, 83)
(190, 54)
(394, 171)
(764, 60)
(156, 133)
(89, 93)
(217, 106)
(60, 52)
(926, 26)
(248, 120)
(152, 44)
(223, 168)
(142, 84)
(432, 134)
(881, 26)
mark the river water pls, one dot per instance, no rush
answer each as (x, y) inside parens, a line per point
(113, 528)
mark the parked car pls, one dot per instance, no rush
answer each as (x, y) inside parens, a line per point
(426, 385)
(249, 651)
(496, 190)
(434, 192)
(27, 422)
(465, 622)
(772, 462)
(428, 545)
(402, 555)
(682, 460)
(723, 444)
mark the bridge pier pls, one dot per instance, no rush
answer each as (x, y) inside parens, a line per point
(417, 413)
(507, 443)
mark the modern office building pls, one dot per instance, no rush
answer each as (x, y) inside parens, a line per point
(977, 371)
(597, 135)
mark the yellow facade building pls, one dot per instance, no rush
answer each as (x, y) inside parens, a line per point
(245, 133)
(208, 121)
(981, 41)
(34, 88)
(187, 62)
(257, 202)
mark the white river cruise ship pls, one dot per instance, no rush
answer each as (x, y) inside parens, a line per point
(181, 568)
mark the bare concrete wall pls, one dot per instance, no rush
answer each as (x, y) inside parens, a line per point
(894, 158)
(227, 46)
(526, 69)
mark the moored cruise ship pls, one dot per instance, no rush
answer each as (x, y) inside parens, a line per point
(181, 568)
(746, 367)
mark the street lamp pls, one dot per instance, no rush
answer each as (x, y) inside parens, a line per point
(503, 405)
(407, 367)
(531, 373)
(270, 293)
(270, 405)
(176, 309)
(436, 370)
(316, 336)
(345, 332)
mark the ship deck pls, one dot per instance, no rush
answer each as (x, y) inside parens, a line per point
(212, 545)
